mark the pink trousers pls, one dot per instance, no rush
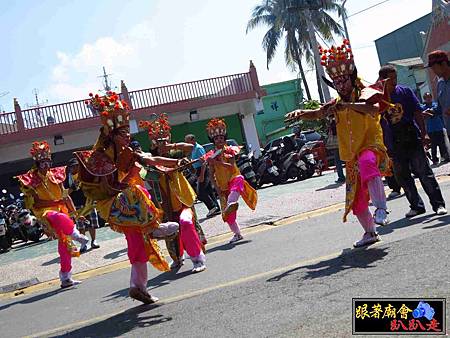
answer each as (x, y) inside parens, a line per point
(236, 187)
(62, 224)
(368, 170)
(189, 237)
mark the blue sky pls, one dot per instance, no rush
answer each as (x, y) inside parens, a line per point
(60, 47)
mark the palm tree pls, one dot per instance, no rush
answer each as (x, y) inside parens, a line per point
(290, 23)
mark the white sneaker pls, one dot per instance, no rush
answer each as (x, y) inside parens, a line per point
(413, 212)
(380, 217)
(393, 194)
(198, 267)
(441, 211)
(367, 239)
(235, 238)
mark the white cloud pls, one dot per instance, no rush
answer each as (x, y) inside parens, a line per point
(76, 75)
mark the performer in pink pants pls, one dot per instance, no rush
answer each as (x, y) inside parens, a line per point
(47, 198)
(178, 196)
(226, 177)
(360, 138)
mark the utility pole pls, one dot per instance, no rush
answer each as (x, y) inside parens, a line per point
(344, 19)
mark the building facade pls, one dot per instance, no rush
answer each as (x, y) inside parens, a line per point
(281, 98)
(72, 126)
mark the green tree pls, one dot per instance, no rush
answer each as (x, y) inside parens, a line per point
(287, 21)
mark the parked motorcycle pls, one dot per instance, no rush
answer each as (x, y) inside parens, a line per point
(244, 163)
(33, 229)
(5, 239)
(266, 170)
(306, 163)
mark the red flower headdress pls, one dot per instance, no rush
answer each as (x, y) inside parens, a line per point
(338, 61)
(40, 151)
(158, 128)
(216, 127)
(113, 111)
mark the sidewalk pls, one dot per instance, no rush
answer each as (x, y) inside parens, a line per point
(38, 263)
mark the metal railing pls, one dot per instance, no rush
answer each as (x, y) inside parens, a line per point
(44, 116)
(8, 123)
(55, 114)
(195, 90)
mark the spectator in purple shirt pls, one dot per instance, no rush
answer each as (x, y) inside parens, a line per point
(409, 137)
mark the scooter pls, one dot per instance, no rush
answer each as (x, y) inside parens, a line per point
(28, 222)
(267, 172)
(306, 162)
(5, 239)
(244, 164)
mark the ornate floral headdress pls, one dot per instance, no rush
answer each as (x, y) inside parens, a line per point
(216, 127)
(40, 151)
(113, 111)
(158, 127)
(338, 61)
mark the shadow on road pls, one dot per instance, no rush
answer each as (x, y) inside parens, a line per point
(227, 246)
(116, 254)
(120, 324)
(35, 298)
(348, 259)
(330, 186)
(27, 245)
(51, 262)
(405, 222)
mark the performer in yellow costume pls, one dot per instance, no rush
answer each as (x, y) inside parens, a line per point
(226, 177)
(46, 197)
(360, 139)
(178, 197)
(109, 175)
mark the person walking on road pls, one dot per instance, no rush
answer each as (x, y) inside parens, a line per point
(204, 189)
(409, 139)
(360, 139)
(435, 128)
(46, 197)
(226, 177)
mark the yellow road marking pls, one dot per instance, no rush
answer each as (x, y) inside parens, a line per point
(223, 238)
(191, 294)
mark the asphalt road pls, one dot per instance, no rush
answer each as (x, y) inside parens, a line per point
(296, 279)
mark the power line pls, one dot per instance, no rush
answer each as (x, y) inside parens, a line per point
(366, 9)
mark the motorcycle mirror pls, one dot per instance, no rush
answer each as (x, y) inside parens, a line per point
(4, 191)
(21, 194)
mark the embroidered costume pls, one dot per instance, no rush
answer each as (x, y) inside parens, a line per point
(227, 179)
(109, 175)
(47, 198)
(360, 139)
(177, 199)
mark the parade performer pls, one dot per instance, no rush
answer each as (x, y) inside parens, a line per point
(109, 175)
(46, 197)
(360, 139)
(178, 196)
(226, 177)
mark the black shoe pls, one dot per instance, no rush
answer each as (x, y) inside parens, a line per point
(414, 212)
(340, 180)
